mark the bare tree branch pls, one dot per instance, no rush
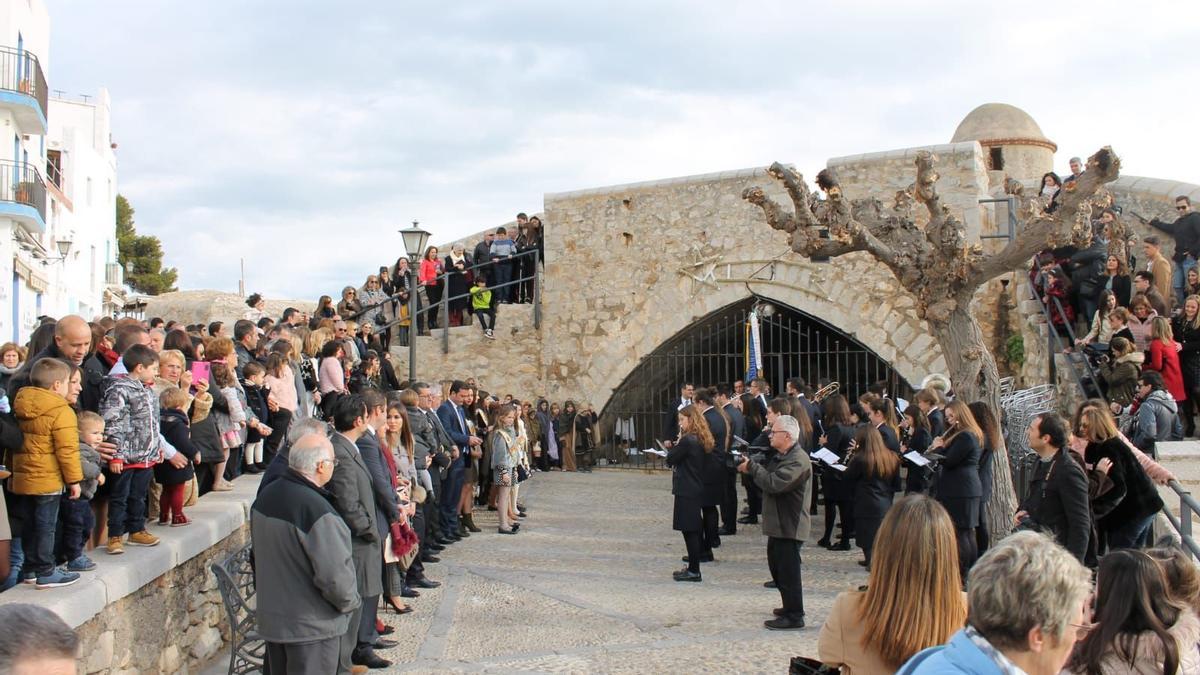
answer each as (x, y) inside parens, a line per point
(777, 217)
(1071, 220)
(797, 189)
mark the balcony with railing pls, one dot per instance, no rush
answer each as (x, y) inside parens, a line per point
(114, 275)
(23, 89)
(23, 194)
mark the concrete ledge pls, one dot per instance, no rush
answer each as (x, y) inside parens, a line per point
(1175, 450)
(214, 517)
(755, 172)
(942, 150)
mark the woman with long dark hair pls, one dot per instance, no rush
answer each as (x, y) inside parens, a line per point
(916, 437)
(875, 471)
(1138, 627)
(992, 442)
(688, 458)
(839, 490)
(958, 487)
(1186, 330)
(548, 438)
(567, 434)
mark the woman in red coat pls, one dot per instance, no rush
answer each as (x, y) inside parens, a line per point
(1164, 357)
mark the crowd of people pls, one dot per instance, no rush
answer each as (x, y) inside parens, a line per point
(500, 269)
(1130, 318)
(112, 426)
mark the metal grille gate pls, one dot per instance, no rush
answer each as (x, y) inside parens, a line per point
(713, 350)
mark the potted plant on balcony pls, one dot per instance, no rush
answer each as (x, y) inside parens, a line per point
(24, 192)
(25, 86)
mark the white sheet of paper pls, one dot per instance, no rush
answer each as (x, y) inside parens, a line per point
(838, 467)
(653, 451)
(916, 458)
(826, 455)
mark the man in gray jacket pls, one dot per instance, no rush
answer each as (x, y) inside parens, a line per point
(784, 482)
(354, 499)
(306, 586)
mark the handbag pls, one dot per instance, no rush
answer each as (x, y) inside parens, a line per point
(522, 474)
(403, 539)
(802, 665)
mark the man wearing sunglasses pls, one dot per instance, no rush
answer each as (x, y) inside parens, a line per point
(1186, 231)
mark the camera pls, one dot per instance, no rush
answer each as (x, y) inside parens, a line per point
(742, 449)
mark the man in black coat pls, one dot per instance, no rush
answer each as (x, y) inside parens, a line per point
(671, 416)
(722, 473)
(1057, 501)
(72, 342)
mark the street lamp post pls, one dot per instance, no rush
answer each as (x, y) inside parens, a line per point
(414, 239)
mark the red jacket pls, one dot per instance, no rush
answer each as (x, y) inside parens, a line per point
(1164, 359)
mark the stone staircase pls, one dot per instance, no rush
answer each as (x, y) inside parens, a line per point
(472, 354)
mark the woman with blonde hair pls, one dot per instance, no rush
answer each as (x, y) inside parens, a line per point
(913, 598)
(875, 473)
(1124, 512)
(958, 487)
(688, 457)
(1164, 357)
(1186, 331)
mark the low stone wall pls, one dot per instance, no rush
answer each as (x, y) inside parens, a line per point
(157, 609)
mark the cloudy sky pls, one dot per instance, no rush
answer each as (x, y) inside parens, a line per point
(301, 135)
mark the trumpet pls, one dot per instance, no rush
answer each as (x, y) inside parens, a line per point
(825, 392)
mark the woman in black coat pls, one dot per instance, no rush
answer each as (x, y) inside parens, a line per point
(989, 425)
(958, 486)
(457, 283)
(875, 472)
(1186, 330)
(175, 429)
(916, 425)
(688, 458)
(839, 490)
(1124, 512)
(882, 414)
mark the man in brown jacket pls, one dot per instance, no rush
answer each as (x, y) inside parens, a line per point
(784, 481)
(1159, 266)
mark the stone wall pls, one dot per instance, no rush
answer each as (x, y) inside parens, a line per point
(175, 624)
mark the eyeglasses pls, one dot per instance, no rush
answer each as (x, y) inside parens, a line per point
(331, 462)
(1181, 208)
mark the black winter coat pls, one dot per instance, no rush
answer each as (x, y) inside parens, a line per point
(176, 429)
(1132, 495)
(960, 468)
(1189, 356)
(687, 460)
(1057, 503)
(715, 467)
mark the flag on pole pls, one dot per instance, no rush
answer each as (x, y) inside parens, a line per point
(753, 347)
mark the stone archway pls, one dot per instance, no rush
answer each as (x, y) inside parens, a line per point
(713, 349)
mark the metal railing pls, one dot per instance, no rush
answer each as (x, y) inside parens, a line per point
(1012, 217)
(21, 183)
(21, 72)
(1056, 346)
(114, 274)
(424, 312)
(1183, 524)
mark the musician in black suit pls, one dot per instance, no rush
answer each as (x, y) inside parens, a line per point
(916, 425)
(882, 414)
(715, 471)
(737, 427)
(760, 391)
(930, 403)
(753, 424)
(839, 490)
(688, 458)
(958, 487)
(671, 415)
(875, 471)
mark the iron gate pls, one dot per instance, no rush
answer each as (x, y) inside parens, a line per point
(712, 351)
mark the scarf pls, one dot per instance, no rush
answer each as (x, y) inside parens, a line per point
(5, 370)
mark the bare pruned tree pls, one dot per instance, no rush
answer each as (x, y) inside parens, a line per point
(938, 263)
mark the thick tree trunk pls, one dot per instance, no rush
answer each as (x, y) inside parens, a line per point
(975, 377)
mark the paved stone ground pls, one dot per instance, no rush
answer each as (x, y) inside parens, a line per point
(586, 587)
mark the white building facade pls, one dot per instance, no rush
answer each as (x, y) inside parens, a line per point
(57, 187)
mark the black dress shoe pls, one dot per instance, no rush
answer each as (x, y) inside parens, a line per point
(823, 543)
(512, 531)
(864, 563)
(686, 575)
(840, 546)
(384, 644)
(703, 558)
(367, 657)
(748, 520)
(784, 623)
(769, 584)
(423, 582)
(409, 592)
(431, 559)
(435, 547)
(726, 532)
(445, 541)
(387, 630)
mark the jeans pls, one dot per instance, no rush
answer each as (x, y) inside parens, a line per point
(487, 318)
(16, 557)
(783, 559)
(41, 521)
(503, 274)
(77, 524)
(1179, 278)
(127, 501)
(1129, 535)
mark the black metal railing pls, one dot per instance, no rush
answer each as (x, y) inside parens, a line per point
(424, 311)
(20, 71)
(1183, 524)
(21, 183)
(1050, 304)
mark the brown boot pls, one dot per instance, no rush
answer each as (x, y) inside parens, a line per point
(469, 519)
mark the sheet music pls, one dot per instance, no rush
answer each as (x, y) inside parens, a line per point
(827, 456)
(916, 458)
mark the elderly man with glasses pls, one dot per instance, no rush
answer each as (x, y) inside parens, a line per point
(784, 480)
(307, 588)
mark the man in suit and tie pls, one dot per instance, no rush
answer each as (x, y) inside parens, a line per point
(387, 506)
(454, 420)
(354, 499)
(451, 481)
(760, 390)
(717, 473)
(671, 423)
(737, 427)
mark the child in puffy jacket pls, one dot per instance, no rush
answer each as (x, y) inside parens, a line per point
(176, 429)
(48, 463)
(130, 411)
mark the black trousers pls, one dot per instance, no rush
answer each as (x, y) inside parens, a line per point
(695, 549)
(864, 532)
(433, 517)
(712, 526)
(729, 504)
(753, 496)
(279, 422)
(367, 635)
(843, 509)
(783, 559)
(968, 550)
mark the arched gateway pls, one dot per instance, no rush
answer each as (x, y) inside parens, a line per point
(713, 349)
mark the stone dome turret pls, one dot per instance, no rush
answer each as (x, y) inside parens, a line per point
(995, 124)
